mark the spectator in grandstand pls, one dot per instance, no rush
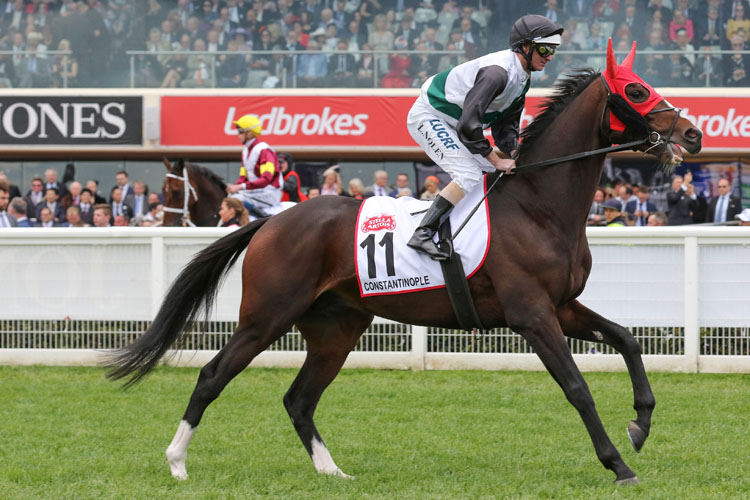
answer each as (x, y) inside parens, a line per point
(34, 197)
(232, 213)
(121, 205)
(678, 22)
(497, 83)
(399, 63)
(657, 219)
(51, 201)
(356, 189)
(198, 67)
(365, 67)
(737, 66)
(46, 218)
(35, 71)
(51, 181)
(175, 67)
(657, 23)
(93, 186)
(402, 187)
(87, 206)
(17, 208)
(681, 200)
(423, 65)
(332, 183)
(122, 220)
(639, 210)
(708, 28)
(312, 68)
(678, 72)
(625, 194)
(550, 10)
(744, 217)
(232, 68)
(260, 183)
(738, 24)
(724, 207)
(431, 188)
(682, 44)
(635, 20)
(596, 212)
(139, 199)
(292, 183)
(613, 214)
(102, 215)
(13, 190)
(153, 217)
(313, 192)
(73, 196)
(6, 219)
(122, 180)
(457, 42)
(73, 216)
(580, 10)
(379, 186)
(709, 68)
(381, 38)
(263, 65)
(341, 66)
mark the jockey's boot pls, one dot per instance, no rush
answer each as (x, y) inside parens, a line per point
(421, 240)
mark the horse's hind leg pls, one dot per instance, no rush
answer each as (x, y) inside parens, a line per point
(577, 321)
(248, 341)
(539, 326)
(329, 343)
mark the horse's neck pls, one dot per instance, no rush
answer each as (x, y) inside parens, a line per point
(210, 196)
(571, 184)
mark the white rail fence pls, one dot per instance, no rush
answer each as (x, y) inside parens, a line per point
(69, 295)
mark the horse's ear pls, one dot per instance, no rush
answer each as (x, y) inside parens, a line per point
(611, 70)
(167, 164)
(628, 62)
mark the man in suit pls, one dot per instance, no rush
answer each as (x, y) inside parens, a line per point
(120, 205)
(12, 188)
(6, 219)
(122, 184)
(640, 209)
(34, 198)
(724, 207)
(709, 29)
(74, 195)
(87, 206)
(46, 218)
(139, 199)
(51, 201)
(51, 181)
(380, 186)
(341, 67)
(17, 209)
(681, 200)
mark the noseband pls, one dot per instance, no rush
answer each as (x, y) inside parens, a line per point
(188, 190)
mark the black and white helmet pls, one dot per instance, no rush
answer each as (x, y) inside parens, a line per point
(533, 28)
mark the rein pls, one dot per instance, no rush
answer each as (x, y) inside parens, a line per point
(188, 189)
(654, 138)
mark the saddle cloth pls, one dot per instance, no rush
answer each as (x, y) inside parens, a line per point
(385, 265)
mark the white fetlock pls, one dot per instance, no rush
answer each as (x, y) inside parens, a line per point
(323, 462)
(177, 450)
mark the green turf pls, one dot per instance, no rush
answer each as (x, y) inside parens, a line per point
(69, 433)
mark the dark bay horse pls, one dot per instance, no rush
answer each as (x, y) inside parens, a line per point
(191, 193)
(299, 270)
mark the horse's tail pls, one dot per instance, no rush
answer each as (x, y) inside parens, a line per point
(193, 292)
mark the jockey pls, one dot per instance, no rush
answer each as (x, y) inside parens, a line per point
(260, 182)
(455, 106)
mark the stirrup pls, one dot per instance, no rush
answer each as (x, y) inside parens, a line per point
(426, 246)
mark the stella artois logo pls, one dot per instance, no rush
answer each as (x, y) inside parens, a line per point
(382, 222)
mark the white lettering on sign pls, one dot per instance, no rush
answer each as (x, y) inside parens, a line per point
(85, 122)
(279, 122)
(730, 124)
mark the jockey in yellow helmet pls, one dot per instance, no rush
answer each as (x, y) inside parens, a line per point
(260, 183)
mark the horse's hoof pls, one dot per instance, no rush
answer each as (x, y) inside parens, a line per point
(627, 480)
(177, 467)
(636, 435)
(338, 473)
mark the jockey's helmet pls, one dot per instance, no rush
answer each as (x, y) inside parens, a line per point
(534, 29)
(249, 123)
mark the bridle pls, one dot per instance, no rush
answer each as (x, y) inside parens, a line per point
(188, 190)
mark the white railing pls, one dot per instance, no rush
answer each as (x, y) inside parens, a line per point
(70, 294)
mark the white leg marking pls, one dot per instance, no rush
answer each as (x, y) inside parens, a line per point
(322, 460)
(177, 450)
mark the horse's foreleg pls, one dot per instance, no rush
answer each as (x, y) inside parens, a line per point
(246, 343)
(579, 322)
(542, 330)
(328, 347)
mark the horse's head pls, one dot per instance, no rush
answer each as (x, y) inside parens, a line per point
(179, 193)
(637, 110)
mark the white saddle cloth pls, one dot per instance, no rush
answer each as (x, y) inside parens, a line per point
(385, 265)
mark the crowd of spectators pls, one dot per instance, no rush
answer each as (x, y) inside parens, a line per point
(99, 34)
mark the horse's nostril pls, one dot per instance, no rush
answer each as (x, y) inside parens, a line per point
(693, 134)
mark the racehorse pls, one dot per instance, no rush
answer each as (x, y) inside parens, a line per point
(192, 194)
(299, 270)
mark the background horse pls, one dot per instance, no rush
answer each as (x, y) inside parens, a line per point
(299, 270)
(194, 191)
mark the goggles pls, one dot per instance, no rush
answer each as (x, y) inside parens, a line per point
(546, 50)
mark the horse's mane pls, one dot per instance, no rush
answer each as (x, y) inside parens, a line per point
(565, 91)
(208, 174)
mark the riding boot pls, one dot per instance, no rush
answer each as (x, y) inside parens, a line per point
(421, 240)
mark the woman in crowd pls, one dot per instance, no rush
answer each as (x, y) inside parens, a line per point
(356, 188)
(233, 213)
(381, 38)
(680, 22)
(431, 185)
(65, 68)
(332, 184)
(738, 22)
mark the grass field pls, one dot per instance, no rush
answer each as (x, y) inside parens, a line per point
(69, 433)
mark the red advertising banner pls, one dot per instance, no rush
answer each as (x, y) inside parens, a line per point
(379, 122)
